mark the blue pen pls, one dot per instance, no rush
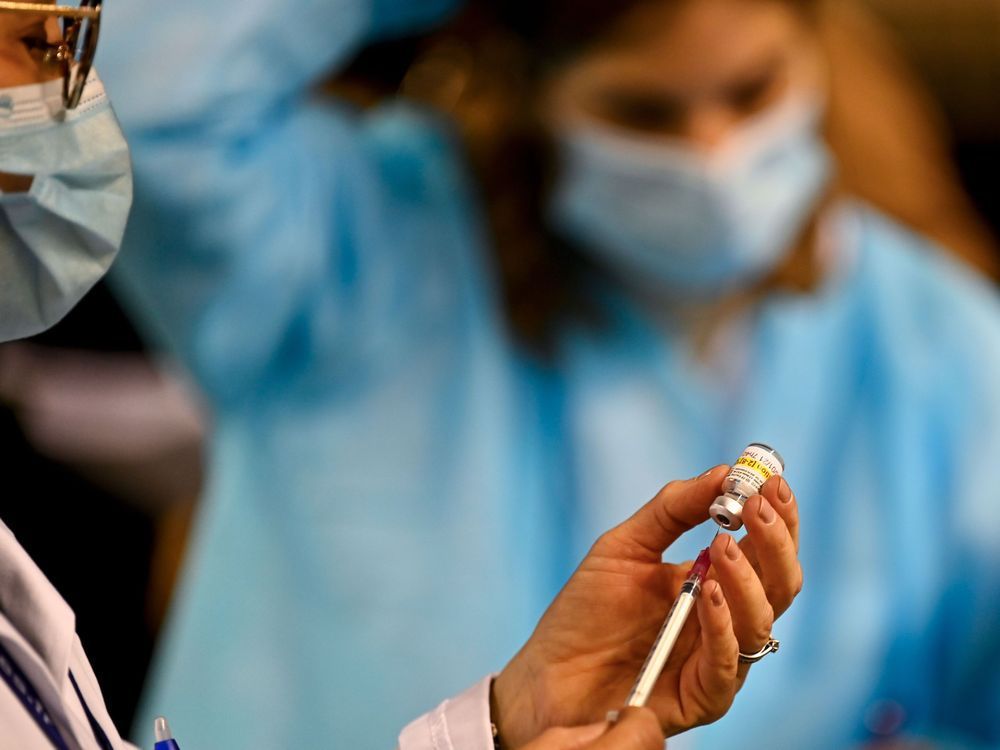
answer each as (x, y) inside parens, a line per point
(164, 738)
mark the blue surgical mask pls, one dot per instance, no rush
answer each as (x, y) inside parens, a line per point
(659, 210)
(59, 238)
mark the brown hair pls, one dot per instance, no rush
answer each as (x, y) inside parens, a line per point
(542, 276)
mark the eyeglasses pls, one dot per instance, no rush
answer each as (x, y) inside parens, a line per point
(74, 55)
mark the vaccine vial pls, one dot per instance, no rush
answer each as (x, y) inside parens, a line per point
(756, 465)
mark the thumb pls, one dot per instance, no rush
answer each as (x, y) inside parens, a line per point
(679, 506)
(567, 738)
(636, 729)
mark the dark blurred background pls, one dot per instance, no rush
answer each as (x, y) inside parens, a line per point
(97, 449)
(954, 46)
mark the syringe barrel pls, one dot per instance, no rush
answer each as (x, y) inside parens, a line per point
(664, 644)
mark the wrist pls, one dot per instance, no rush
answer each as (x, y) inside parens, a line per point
(517, 702)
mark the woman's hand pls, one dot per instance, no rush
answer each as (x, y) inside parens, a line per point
(588, 648)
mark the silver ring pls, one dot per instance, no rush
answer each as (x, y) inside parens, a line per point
(771, 647)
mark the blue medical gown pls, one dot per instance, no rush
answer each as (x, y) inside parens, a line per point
(396, 491)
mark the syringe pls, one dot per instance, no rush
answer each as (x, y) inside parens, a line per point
(670, 631)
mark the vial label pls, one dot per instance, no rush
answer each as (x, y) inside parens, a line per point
(752, 469)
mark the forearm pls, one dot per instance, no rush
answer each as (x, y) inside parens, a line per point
(239, 172)
(230, 253)
(222, 66)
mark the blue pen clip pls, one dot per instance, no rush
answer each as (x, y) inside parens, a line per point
(164, 737)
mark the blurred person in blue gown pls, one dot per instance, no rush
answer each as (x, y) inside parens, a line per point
(449, 335)
(66, 182)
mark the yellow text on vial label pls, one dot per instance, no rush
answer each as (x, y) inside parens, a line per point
(754, 465)
(752, 469)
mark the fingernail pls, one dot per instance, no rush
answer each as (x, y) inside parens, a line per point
(717, 598)
(766, 512)
(702, 476)
(732, 549)
(784, 491)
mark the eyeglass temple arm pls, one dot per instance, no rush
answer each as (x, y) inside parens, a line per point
(44, 9)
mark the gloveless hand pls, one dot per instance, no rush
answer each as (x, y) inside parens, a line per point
(588, 648)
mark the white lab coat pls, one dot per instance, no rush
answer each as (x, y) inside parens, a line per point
(38, 629)
(459, 723)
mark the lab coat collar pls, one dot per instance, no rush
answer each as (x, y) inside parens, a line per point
(33, 606)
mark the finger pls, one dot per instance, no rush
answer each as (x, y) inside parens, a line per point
(779, 494)
(715, 663)
(751, 611)
(679, 506)
(777, 563)
(565, 738)
(635, 729)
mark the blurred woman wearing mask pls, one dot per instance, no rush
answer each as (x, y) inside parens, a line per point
(425, 409)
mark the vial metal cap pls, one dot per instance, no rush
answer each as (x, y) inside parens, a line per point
(727, 512)
(770, 450)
